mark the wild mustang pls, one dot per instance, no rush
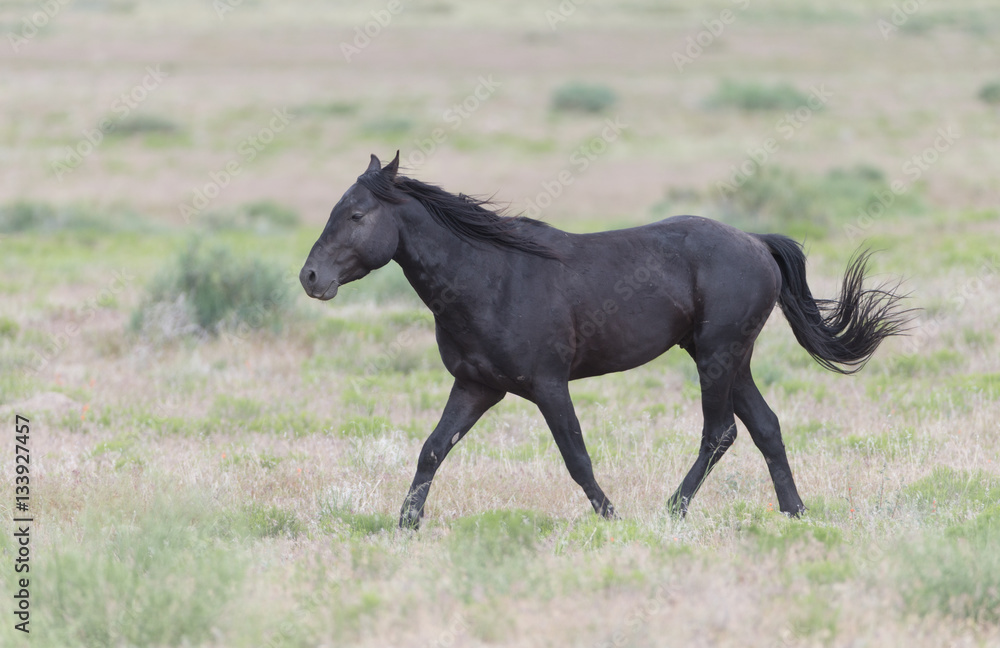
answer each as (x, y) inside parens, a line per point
(522, 307)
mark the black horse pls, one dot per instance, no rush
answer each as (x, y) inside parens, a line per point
(524, 308)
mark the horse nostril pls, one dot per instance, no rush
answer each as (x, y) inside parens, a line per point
(312, 276)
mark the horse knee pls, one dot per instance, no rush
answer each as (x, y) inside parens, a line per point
(429, 459)
(718, 440)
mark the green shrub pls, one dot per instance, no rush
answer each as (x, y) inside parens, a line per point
(957, 574)
(583, 97)
(977, 21)
(208, 291)
(383, 286)
(8, 328)
(158, 577)
(775, 199)
(990, 93)
(752, 96)
(32, 216)
(133, 125)
(263, 216)
(390, 128)
(324, 109)
(270, 212)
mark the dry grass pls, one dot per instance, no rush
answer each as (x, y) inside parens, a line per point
(243, 489)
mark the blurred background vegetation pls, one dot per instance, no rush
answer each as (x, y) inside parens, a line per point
(205, 428)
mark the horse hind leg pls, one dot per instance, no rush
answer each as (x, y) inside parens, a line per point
(716, 373)
(765, 431)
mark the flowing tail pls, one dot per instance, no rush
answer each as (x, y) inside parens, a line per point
(840, 334)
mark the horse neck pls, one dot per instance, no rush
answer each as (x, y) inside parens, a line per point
(436, 262)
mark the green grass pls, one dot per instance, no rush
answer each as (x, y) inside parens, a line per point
(260, 521)
(592, 533)
(950, 492)
(815, 616)
(338, 515)
(365, 426)
(887, 445)
(492, 551)
(235, 407)
(243, 488)
(157, 577)
(496, 535)
(956, 575)
(828, 572)
(782, 535)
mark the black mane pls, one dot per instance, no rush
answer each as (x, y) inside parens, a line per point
(471, 218)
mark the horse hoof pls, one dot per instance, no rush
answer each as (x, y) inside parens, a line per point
(678, 507)
(795, 513)
(410, 520)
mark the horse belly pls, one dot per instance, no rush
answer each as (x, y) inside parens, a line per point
(626, 337)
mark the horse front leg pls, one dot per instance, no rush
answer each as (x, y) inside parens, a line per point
(557, 408)
(467, 402)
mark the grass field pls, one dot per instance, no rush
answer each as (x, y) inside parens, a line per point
(218, 461)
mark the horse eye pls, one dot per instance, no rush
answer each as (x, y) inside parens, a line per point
(356, 217)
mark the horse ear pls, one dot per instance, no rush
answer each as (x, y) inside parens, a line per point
(393, 167)
(374, 165)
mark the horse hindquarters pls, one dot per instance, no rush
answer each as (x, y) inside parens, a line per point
(737, 288)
